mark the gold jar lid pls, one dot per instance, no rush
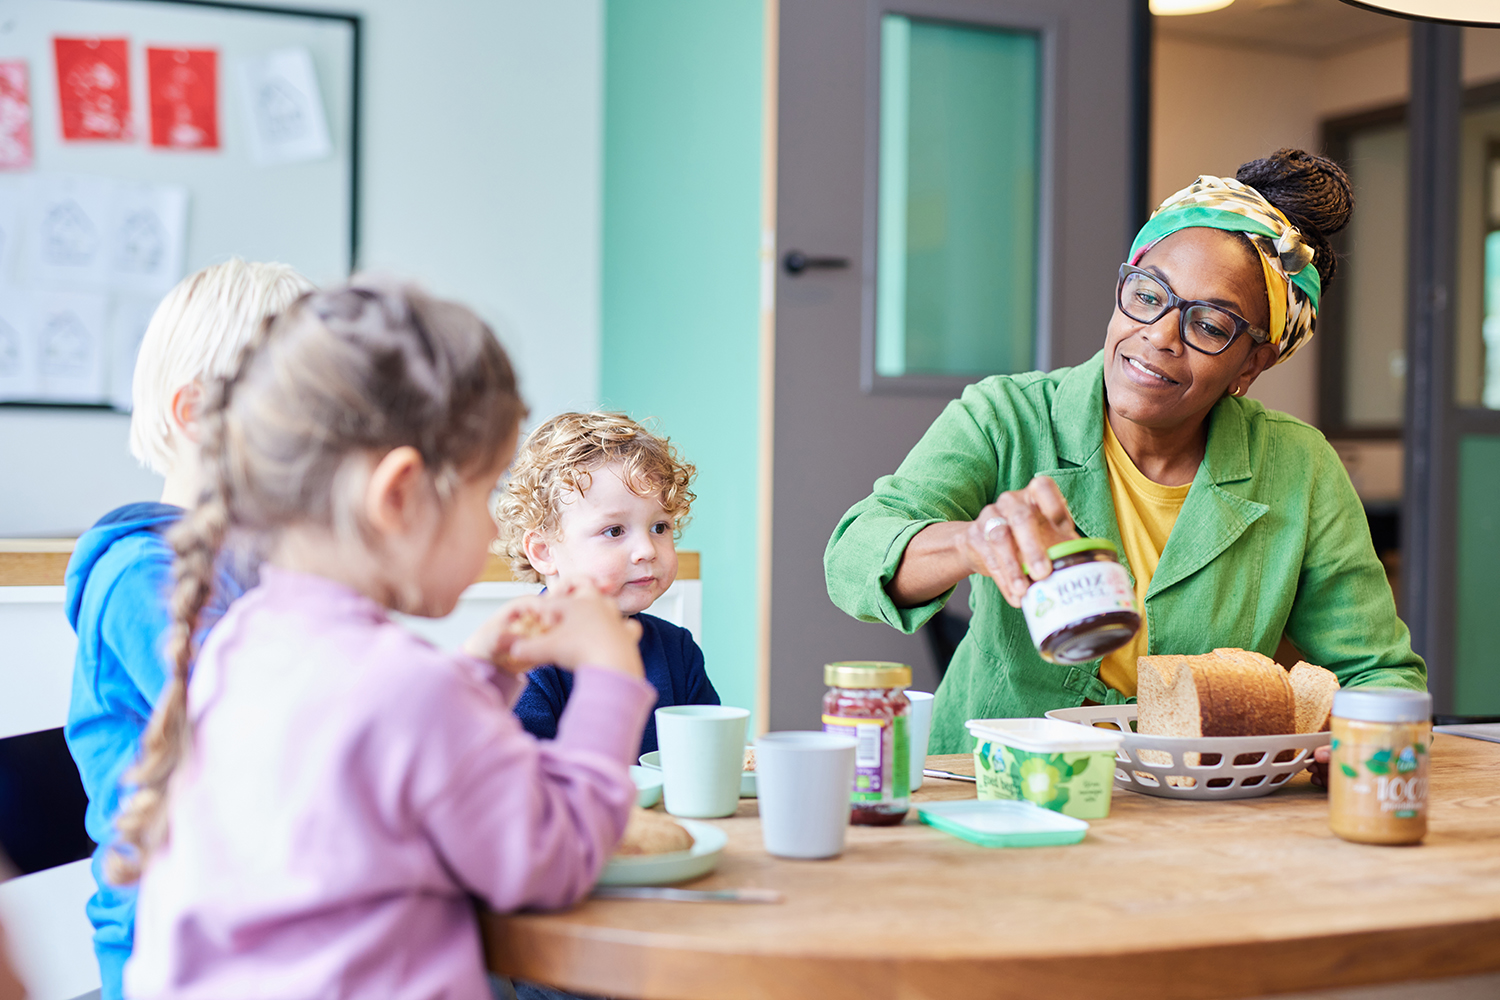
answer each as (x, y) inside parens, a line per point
(867, 674)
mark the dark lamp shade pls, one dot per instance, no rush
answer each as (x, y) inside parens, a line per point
(1479, 13)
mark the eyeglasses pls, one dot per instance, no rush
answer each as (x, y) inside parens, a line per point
(1204, 327)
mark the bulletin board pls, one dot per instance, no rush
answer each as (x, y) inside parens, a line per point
(141, 140)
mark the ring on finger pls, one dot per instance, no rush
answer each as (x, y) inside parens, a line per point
(992, 525)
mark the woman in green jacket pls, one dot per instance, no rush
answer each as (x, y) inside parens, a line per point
(1238, 524)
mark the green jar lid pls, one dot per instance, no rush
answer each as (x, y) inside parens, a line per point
(867, 674)
(1077, 545)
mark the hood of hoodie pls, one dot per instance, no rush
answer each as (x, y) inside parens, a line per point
(117, 524)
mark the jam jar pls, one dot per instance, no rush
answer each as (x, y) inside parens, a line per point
(1377, 771)
(1086, 607)
(867, 700)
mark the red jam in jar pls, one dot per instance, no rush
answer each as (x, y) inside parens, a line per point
(867, 700)
(1086, 607)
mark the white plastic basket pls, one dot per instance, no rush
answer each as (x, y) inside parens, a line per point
(1229, 767)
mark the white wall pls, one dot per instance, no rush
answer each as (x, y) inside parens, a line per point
(482, 160)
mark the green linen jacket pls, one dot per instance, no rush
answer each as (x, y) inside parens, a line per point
(1272, 541)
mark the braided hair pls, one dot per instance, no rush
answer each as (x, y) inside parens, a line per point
(1312, 191)
(341, 375)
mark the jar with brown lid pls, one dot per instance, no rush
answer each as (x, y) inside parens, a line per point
(1377, 772)
(867, 700)
(1086, 607)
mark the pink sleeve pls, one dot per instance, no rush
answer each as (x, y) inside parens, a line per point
(525, 822)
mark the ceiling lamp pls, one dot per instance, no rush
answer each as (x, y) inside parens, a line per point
(1480, 13)
(1170, 8)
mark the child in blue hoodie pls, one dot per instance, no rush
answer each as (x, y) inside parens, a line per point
(120, 576)
(597, 497)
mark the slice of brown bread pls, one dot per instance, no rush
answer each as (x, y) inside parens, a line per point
(1313, 689)
(1229, 692)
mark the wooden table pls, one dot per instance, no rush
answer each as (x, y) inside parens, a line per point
(1164, 899)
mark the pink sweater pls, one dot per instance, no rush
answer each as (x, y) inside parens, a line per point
(350, 787)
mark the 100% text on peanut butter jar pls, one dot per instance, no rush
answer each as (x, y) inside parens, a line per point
(1085, 607)
(1377, 771)
(866, 699)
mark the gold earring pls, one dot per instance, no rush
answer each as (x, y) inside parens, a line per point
(1237, 392)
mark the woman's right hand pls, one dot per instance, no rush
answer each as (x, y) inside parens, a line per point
(572, 625)
(1014, 532)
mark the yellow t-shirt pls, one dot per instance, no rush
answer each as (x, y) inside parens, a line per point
(1146, 512)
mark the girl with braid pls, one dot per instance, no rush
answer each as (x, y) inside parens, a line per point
(316, 806)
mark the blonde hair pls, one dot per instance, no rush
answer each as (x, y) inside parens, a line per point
(559, 458)
(339, 376)
(195, 335)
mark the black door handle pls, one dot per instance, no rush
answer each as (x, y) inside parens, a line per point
(796, 262)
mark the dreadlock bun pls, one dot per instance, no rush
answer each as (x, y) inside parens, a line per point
(1312, 191)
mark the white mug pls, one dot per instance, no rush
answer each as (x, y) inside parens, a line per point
(802, 789)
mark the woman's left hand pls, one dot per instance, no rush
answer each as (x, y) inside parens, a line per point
(1319, 767)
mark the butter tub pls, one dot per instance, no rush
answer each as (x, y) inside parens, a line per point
(1057, 765)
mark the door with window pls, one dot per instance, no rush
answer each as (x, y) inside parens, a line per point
(957, 183)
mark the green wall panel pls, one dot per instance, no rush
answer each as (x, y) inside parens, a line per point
(1477, 677)
(681, 287)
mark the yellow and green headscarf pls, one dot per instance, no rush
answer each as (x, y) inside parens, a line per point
(1292, 282)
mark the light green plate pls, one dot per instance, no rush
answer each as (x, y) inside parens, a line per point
(665, 869)
(747, 778)
(647, 785)
(1003, 823)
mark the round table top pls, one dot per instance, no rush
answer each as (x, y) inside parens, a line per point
(1164, 898)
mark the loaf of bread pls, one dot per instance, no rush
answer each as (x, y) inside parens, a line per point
(1229, 692)
(648, 832)
(1313, 689)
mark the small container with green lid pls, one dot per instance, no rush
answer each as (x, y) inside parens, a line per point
(1086, 607)
(867, 700)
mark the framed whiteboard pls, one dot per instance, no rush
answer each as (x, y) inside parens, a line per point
(237, 198)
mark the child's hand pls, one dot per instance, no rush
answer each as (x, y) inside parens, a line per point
(493, 640)
(571, 625)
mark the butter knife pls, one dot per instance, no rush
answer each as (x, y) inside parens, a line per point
(688, 895)
(932, 772)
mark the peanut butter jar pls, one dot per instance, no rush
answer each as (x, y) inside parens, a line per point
(1377, 776)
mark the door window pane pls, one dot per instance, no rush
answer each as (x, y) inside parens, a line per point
(960, 154)
(1375, 328)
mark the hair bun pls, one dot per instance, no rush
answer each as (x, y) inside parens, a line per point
(1312, 191)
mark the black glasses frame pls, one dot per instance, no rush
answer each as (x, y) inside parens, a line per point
(1174, 301)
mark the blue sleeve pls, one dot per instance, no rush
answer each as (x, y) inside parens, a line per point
(133, 626)
(542, 703)
(700, 690)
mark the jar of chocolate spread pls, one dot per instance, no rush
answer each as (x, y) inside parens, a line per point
(1086, 607)
(867, 700)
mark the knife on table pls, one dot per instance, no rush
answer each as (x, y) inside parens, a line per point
(687, 895)
(932, 772)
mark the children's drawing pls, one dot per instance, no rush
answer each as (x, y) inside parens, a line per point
(67, 342)
(65, 346)
(69, 236)
(127, 326)
(10, 350)
(17, 374)
(284, 108)
(183, 85)
(148, 229)
(12, 192)
(15, 116)
(93, 87)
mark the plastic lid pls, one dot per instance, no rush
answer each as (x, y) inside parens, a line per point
(1382, 705)
(1045, 735)
(1077, 545)
(867, 674)
(1002, 823)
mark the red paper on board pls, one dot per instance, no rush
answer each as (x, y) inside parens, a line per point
(93, 87)
(183, 86)
(15, 116)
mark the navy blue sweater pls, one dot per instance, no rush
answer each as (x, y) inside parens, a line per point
(674, 666)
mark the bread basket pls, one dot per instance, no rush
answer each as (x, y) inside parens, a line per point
(1228, 767)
